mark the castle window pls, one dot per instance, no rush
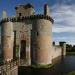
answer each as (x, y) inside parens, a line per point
(20, 14)
(37, 33)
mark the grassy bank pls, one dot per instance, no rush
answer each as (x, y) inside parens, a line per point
(71, 73)
(41, 66)
(70, 53)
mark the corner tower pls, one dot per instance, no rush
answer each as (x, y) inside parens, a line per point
(7, 37)
(41, 39)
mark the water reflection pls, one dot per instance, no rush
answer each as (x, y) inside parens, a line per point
(64, 66)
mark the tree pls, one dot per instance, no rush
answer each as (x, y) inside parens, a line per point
(68, 47)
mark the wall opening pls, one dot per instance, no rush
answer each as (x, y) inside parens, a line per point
(37, 33)
(20, 14)
(14, 47)
(23, 49)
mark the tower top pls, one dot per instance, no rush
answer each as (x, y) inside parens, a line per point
(46, 9)
(24, 10)
(4, 14)
(25, 6)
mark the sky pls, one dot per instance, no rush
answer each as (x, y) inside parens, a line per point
(62, 11)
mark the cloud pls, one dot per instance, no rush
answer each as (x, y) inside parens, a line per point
(63, 29)
(64, 22)
(64, 17)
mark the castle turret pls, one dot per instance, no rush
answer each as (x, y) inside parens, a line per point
(63, 46)
(4, 14)
(46, 9)
(7, 40)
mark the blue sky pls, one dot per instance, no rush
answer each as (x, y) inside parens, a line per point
(62, 11)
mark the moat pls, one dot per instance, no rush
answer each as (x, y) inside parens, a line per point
(64, 66)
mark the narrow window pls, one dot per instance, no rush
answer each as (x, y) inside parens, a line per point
(37, 33)
(20, 14)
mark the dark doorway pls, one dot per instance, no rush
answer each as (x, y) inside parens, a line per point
(20, 14)
(14, 47)
(23, 49)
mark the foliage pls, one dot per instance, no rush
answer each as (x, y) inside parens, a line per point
(70, 48)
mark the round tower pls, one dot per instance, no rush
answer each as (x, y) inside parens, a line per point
(7, 40)
(41, 40)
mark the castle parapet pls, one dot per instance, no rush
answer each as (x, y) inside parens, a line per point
(19, 19)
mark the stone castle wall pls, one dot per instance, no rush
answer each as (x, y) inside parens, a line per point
(57, 51)
(33, 35)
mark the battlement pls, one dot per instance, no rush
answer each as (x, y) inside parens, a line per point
(19, 19)
(60, 43)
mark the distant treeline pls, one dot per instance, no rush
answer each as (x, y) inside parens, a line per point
(70, 48)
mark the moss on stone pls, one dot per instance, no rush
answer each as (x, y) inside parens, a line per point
(41, 66)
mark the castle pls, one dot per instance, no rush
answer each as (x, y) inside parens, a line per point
(29, 36)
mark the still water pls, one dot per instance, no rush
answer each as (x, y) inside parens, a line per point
(64, 66)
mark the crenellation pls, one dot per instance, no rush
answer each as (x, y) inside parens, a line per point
(21, 19)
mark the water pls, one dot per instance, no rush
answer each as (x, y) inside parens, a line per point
(64, 66)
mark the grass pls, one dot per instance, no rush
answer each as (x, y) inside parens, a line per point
(41, 66)
(71, 73)
(70, 53)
